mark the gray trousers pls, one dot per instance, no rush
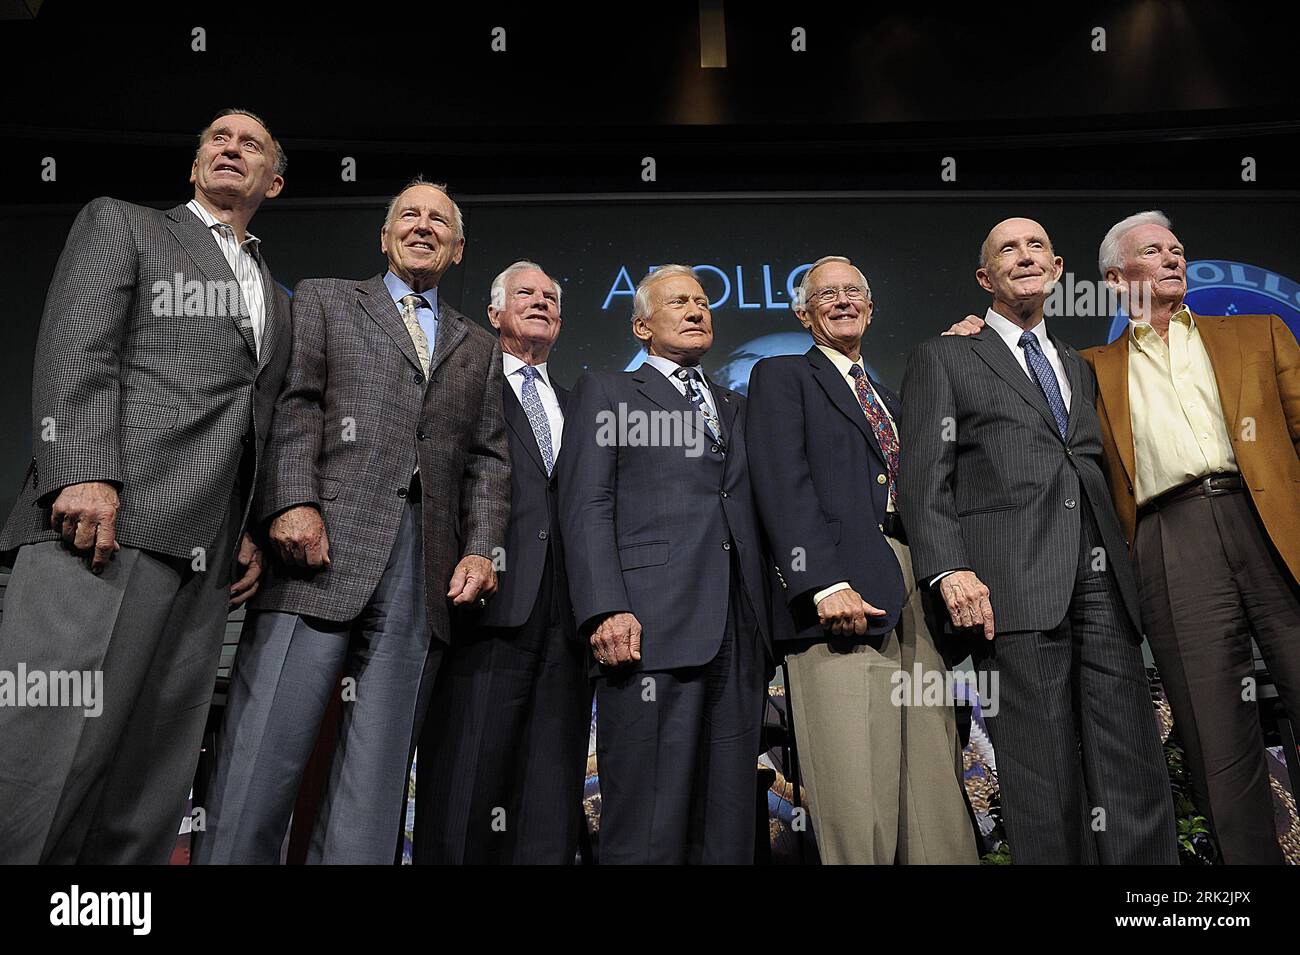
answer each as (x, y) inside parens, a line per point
(285, 671)
(109, 788)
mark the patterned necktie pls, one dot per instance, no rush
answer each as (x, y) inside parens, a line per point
(421, 342)
(880, 426)
(695, 394)
(1041, 371)
(537, 415)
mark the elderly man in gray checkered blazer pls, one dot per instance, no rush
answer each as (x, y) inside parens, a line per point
(161, 350)
(388, 492)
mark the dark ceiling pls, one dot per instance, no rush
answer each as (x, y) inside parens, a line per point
(1183, 92)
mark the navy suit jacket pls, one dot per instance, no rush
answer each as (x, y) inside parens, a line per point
(650, 529)
(821, 485)
(533, 531)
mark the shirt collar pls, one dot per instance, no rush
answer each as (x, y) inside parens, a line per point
(667, 367)
(510, 364)
(398, 289)
(252, 244)
(1010, 332)
(1140, 330)
(843, 362)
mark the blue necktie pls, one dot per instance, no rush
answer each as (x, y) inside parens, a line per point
(695, 394)
(537, 415)
(1041, 371)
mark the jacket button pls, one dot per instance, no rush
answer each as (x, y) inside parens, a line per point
(401, 492)
(418, 378)
(542, 535)
(1069, 502)
(726, 545)
(421, 435)
(714, 449)
(881, 528)
(881, 479)
(723, 493)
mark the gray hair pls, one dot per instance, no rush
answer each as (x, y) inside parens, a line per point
(805, 287)
(641, 300)
(281, 160)
(1109, 255)
(458, 220)
(498, 293)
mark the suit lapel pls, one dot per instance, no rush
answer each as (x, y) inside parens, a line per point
(197, 241)
(1224, 350)
(660, 390)
(451, 332)
(1111, 366)
(379, 305)
(1070, 362)
(837, 390)
(727, 408)
(518, 421)
(273, 319)
(994, 353)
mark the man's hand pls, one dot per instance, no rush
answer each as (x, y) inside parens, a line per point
(967, 600)
(474, 577)
(250, 559)
(967, 326)
(617, 640)
(299, 535)
(85, 515)
(845, 612)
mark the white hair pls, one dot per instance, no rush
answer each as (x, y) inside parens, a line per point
(641, 300)
(805, 287)
(1109, 256)
(498, 293)
(458, 220)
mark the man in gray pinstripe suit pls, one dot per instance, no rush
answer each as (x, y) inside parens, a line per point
(1012, 527)
(162, 347)
(388, 492)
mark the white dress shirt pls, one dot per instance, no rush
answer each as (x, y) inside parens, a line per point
(668, 368)
(242, 259)
(845, 365)
(1010, 333)
(513, 369)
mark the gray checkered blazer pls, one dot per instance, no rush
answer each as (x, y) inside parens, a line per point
(353, 412)
(160, 405)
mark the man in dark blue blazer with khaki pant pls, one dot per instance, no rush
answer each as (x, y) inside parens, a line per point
(668, 582)
(882, 768)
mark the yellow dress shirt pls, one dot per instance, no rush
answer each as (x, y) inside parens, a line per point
(1178, 429)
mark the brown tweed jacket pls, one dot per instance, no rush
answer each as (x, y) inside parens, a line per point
(354, 413)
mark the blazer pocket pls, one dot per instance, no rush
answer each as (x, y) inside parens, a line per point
(329, 489)
(147, 414)
(990, 509)
(648, 554)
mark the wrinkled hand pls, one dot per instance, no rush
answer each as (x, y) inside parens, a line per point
(845, 612)
(617, 640)
(250, 559)
(967, 600)
(299, 536)
(474, 577)
(969, 325)
(85, 515)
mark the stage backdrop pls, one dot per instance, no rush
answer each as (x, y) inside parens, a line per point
(919, 255)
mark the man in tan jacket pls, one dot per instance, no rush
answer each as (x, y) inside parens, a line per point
(1200, 421)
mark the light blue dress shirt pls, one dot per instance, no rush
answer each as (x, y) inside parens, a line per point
(427, 317)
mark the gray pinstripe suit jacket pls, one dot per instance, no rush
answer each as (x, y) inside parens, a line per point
(354, 409)
(160, 405)
(986, 483)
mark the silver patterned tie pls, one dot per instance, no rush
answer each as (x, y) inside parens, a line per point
(537, 415)
(421, 341)
(695, 394)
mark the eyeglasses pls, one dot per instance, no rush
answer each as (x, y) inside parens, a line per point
(854, 293)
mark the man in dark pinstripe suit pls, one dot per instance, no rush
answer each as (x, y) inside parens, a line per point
(1012, 527)
(388, 491)
(162, 347)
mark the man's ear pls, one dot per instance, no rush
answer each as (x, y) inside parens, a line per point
(982, 276)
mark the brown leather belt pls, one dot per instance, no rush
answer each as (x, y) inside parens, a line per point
(1201, 487)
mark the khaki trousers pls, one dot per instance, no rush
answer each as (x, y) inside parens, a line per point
(883, 780)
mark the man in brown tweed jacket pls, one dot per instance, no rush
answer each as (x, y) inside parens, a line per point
(388, 493)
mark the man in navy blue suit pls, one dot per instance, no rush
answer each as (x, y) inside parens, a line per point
(880, 758)
(668, 583)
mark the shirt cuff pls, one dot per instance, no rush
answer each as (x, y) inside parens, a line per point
(833, 588)
(934, 581)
